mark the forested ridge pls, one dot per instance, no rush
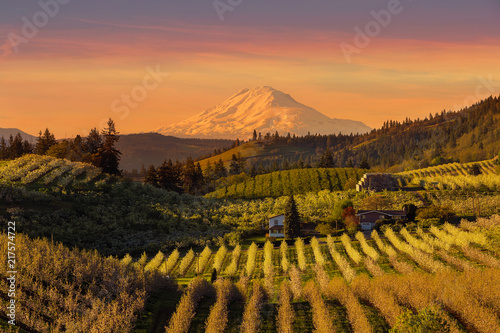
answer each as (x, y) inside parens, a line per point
(471, 134)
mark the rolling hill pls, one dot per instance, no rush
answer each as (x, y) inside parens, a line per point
(487, 167)
(36, 171)
(7, 132)
(298, 181)
(153, 148)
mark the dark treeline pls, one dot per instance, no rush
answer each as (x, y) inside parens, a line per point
(178, 177)
(190, 177)
(14, 147)
(97, 148)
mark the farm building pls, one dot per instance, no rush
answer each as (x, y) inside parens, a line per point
(367, 218)
(276, 226)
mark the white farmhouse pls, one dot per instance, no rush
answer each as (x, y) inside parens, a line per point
(276, 226)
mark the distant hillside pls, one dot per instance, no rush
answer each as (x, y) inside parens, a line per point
(476, 177)
(488, 167)
(471, 134)
(152, 148)
(468, 135)
(298, 181)
(256, 152)
(7, 132)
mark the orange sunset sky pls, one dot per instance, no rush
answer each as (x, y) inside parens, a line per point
(432, 55)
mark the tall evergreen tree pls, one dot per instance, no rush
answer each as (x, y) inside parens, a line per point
(168, 177)
(93, 142)
(254, 135)
(44, 142)
(364, 163)
(234, 166)
(291, 224)
(242, 163)
(16, 149)
(110, 156)
(326, 160)
(4, 153)
(151, 176)
(193, 177)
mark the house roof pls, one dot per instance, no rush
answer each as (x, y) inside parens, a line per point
(272, 217)
(384, 212)
(276, 227)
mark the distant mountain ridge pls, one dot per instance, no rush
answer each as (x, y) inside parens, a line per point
(265, 110)
(468, 135)
(7, 132)
(153, 148)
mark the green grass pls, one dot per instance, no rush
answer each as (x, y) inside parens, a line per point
(235, 317)
(268, 317)
(202, 313)
(338, 316)
(375, 319)
(303, 317)
(159, 308)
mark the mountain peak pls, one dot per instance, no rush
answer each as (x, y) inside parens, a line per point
(264, 109)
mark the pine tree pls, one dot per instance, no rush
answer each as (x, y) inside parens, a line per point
(109, 156)
(193, 177)
(253, 171)
(151, 176)
(93, 142)
(168, 177)
(364, 163)
(4, 154)
(44, 142)
(234, 166)
(326, 160)
(242, 163)
(291, 224)
(254, 135)
(219, 169)
(16, 150)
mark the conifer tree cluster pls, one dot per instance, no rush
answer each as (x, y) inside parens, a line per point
(98, 148)
(178, 177)
(14, 147)
(291, 224)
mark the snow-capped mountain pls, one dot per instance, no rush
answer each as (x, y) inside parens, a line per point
(264, 109)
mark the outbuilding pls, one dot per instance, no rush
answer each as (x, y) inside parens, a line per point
(276, 226)
(367, 218)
